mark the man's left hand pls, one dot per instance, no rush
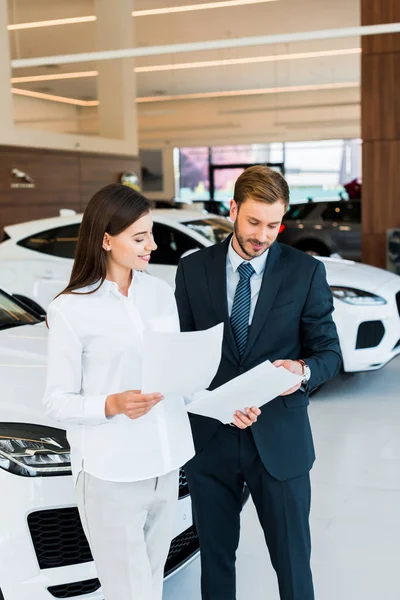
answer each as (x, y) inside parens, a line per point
(294, 367)
(242, 420)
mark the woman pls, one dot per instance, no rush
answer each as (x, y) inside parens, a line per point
(126, 446)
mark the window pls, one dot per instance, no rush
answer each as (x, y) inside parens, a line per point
(343, 212)
(214, 230)
(60, 241)
(171, 245)
(299, 211)
(13, 315)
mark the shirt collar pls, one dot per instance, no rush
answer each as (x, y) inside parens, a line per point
(108, 286)
(258, 263)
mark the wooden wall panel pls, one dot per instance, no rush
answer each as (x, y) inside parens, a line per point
(380, 110)
(381, 193)
(62, 180)
(376, 12)
(97, 171)
(380, 127)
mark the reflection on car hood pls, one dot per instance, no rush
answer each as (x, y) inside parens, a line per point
(23, 358)
(356, 275)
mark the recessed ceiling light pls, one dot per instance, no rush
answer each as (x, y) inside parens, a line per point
(51, 23)
(251, 92)
(56, 76)
(196, 96)
(53, 98)
(191, 7)
(138, 13)
(196, 65)
(246, 61)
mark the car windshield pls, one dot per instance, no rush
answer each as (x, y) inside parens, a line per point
(12, 314)
(215, 229)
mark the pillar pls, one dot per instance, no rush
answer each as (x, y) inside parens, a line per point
(116, 87)
(6, 102)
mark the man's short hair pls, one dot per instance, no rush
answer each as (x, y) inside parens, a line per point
(262, 184)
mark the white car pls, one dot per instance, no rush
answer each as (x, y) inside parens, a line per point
(43, 551)
(36, 260)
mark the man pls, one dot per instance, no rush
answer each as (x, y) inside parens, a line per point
(276, 305)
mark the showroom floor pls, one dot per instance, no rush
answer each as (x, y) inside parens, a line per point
(356, 499)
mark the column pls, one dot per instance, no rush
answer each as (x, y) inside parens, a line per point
(380, 127)
(6, 102)
(116, 85)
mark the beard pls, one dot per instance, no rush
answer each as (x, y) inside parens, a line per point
(245, 244)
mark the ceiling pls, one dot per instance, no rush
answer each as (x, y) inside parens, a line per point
(317, 63)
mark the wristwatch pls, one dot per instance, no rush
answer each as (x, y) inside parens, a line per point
(306, 371)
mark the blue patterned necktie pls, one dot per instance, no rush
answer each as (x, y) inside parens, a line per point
(241, 306)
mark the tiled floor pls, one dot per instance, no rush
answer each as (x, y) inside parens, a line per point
(356, 499)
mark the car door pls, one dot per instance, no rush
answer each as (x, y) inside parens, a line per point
(171, 245)
(51, 262)
(345, 227)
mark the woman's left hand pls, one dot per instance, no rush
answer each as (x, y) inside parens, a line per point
(242, 421)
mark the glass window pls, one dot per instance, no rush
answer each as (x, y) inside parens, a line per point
(319, 169)
(214, 230)
(171, 243)
(299, 211)
(343, 212)
(247, 154)
(193, 174)
(60, 241)
(12, 314)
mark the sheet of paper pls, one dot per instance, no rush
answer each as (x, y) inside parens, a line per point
(181, 363)
(254, 388)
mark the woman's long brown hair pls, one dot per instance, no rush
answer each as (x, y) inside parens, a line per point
(111, 210)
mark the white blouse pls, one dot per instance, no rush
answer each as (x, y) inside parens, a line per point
(94, 350)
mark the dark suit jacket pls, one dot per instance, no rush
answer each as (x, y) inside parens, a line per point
(292, 320)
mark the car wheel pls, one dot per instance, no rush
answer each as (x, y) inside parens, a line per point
(313, 248)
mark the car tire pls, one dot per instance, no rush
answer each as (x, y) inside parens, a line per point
(313, 247)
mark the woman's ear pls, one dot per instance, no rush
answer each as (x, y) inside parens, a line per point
(106, 242)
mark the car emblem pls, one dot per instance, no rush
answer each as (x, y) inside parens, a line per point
(21, 179)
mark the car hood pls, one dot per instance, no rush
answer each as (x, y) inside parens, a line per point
(23, 358)
(346, 273)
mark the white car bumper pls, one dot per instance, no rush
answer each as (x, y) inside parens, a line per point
(369, 335)
(31, 515)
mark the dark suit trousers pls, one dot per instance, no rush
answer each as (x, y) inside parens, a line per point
(216, 476)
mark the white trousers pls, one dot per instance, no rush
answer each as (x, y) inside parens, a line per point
(129, 530)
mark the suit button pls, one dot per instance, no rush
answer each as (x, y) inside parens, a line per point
(241, 370)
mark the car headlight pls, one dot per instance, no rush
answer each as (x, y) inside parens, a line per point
(357, 297)
(34, 450)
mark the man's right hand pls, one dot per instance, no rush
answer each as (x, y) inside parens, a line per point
(131, 403)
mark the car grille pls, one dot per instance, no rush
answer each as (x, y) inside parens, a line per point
(183, 547)
(71, 590)
(370, 334)
(59, 540)
(183, 485)
(398, 302)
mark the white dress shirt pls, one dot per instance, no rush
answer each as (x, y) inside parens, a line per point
(233, 261)
(94, 350)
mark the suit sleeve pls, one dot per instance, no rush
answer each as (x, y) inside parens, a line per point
(319, 336)
(182, 300)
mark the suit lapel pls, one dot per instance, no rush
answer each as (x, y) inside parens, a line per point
(270, 285)
(216, 276)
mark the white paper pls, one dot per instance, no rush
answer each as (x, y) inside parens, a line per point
(254, 388)
(181, 363)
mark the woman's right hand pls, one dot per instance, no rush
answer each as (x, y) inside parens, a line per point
(131, 403)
